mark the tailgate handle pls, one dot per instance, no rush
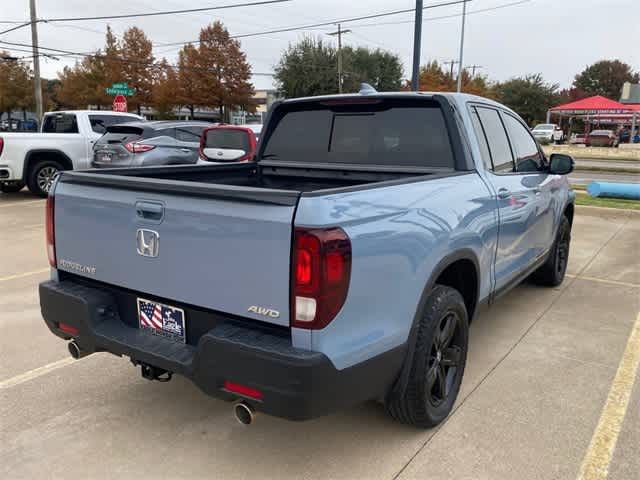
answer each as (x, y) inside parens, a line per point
(150, 211)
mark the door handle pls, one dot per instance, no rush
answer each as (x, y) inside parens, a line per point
(150, 211)
(186, 150)
(503, 193)
(536, 191)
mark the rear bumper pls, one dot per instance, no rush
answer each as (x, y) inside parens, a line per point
(295, 384)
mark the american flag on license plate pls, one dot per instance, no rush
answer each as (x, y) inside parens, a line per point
(161, 319)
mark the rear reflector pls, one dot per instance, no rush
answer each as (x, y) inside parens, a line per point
(242, 390)
(68, 328)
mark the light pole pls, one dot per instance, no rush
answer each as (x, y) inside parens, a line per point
(464, 14)
(417, 38)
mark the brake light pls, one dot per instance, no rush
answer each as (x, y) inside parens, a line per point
(135, 147)
(50, 229)
(321, 274)
(1, 145)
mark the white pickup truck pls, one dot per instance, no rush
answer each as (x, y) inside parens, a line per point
(65, 142)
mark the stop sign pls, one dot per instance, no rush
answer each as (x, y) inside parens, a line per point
(120, 103)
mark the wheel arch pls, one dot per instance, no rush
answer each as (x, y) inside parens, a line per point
(446, 269)
(38, 155)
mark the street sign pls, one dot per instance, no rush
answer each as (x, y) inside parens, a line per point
(120, 88)
(120, 103)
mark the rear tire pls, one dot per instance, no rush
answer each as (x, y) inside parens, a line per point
(438, 362)
(551, 273)
(12, 187)
(41, 176)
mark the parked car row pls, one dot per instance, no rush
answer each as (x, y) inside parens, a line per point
(81, 139)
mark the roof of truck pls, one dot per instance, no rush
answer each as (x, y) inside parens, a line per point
(454, 96)
(101, 112)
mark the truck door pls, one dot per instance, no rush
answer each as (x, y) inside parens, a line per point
(519, 197)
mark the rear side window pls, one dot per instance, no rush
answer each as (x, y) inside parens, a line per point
(60, 123)
(100, 123)
(383, 133)
(496, 136)
(528, 158)
(231, 139)
(189, 134)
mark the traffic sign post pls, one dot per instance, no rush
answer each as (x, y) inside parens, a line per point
(120, 103)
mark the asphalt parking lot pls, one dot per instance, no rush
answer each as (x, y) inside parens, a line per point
(542, 398)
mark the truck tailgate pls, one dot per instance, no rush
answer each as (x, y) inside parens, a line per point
(222, 254)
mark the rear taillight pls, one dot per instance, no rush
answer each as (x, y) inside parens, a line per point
(321, 273)
(135, 147)
(1, 145)
(51, 237)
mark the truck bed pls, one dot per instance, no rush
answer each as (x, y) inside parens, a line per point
(270, 182)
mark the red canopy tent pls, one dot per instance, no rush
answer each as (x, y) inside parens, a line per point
(597, 109)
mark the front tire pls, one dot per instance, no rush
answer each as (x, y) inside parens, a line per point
(438, 362)
(551, 272)
(42, 175)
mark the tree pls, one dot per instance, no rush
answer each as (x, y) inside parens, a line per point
(222, 73)
(16, 87)
(530, 96)
(187, 90)
(307, 68)
(382, 70)
(605, 78)
(137, 66)
(310, 67)
(165, 86)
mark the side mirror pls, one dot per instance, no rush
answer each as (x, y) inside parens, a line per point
(560, 164)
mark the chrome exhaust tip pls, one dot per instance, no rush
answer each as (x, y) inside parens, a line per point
(244, 413)
(75, 350)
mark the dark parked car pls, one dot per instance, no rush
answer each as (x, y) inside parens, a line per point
(601, 138)
(149, 143)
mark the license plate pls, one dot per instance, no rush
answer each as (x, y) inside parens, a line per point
(162, 320)
(104, 157)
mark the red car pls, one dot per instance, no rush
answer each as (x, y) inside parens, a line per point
(601, 138)
(227, 143)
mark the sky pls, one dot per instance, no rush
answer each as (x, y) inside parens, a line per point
(557, 38)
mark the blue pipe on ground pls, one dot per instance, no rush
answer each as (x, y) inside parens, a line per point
(614, 190)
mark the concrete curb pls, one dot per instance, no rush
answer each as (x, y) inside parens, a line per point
(606, 211)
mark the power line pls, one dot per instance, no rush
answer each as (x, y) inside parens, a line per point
(26, 24)
(443, 17)
(326, 23)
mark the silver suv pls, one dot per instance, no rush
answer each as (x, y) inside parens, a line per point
(138, 144)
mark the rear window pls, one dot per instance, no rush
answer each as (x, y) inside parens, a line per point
(100, 123)
(120, 134)
(230, 139)
(389, 133)
(60, 123)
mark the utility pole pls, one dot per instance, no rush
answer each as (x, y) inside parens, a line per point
(37, 84)
(451, 63)
(473, 70)
(417, 38)
(339, 33)
(464, 14)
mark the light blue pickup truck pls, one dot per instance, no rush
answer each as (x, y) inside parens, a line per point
(343, 265)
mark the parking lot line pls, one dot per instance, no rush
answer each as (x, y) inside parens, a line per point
(595, 465)
(22, 275)
(35, 373)
(604, 280)
(14, 204)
